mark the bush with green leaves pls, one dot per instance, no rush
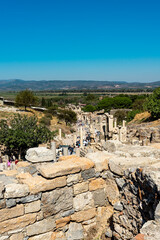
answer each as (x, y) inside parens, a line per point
(89, 108)
(132, 114)
(45, 121)
(68, 116)
(23, 132)
(152, 104)
(25, 98)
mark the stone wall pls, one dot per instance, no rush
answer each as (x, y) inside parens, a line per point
(79, 198)
(63, 200)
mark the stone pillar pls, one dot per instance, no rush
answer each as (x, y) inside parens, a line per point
(53, 148)
(74, 139)
(110, 123)
(60, 133)
(124, 123)
(115, 123)
(65, 151)
(81, 137)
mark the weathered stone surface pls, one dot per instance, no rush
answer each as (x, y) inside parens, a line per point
(115, 168)
(75, 231)
(16, 190)
(10, 173)
(97, 184)
(67, 213)
(157, 212)
(7, 180)
(17, 236)
(62, 221)
(18, 222)
(2, 203)
(100, 160)
(80, 188)
(1, 189)
(73, 178)
(43, 226)
(44, 236)
(4, 238)
(39, 154)
(139, 237)
(118, 206)
(84, 215)
(112, 191)
(11, 213)
(65, 167)
(83, 201)
(58, 236)
(66, 158)
(39, 184)
(10, 202)
(33, 207)
(57, 200)
(99, 197)
(87, 174)
(29, 198)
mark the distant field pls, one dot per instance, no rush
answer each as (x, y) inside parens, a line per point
(12, 95)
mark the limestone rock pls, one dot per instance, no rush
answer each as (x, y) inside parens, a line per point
(75, 231)
(87, 174)
(62, 221)
(99, 197)
(18, 222)
(57, 200)
(29, 198)
(16, 190)
(83, 201)
(58, 236)
(1, 189)
(65, 167)
(97, 184)
(39, 184)
(73, 178)
(43, 226)
(100, 160)
(112, 191)
(115, 168)
(11, 213)
(39, 154)
(44, 236)
(84, 215)
(17, 236)
(2, 203)
(33, 207)
(80, 188)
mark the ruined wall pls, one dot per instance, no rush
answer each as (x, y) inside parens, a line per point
(64, 202)
(78, 198)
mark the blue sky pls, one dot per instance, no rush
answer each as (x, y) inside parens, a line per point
(80, 39)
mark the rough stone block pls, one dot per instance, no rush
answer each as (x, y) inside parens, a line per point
(18, 222)
(96, 184)
(99, 197)
(29, 198)
(116, 169)
(112, 191)
(62, 221)
(33, 207)
(58, 200)
(44, 236)
(84, 215)
(75, 231)
(87, 174)
(73, 178)
(65, 167)
(39, 154)
(17, 236)
(10, 202)
(43, 226)
(11, 212)
(80, 188)
(58, 236)
(16, 190)
(83, 201)
(2, 203)
(100, 160)
(39, 184)
(1, 189)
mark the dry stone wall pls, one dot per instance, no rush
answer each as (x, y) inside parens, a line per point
(79, 198)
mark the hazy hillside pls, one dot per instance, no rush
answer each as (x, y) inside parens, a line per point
(16, 85)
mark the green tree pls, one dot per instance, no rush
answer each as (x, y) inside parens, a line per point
(89, 108)
(68, 116)
(25, 98)
(22, 133)
(152, 104)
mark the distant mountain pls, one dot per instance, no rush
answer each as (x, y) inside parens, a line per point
(18, 85)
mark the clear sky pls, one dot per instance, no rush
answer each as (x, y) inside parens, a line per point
(80, 39)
